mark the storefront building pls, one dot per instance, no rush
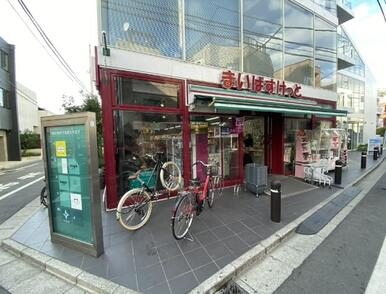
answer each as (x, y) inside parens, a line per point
(230, 82)
(357, 93)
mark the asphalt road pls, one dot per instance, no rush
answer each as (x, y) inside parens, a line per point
(18, 187)
(345, 260)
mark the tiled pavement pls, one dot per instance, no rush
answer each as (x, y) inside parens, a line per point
(151, 261)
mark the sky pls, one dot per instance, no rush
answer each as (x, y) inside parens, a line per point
(72, 27)
(368, 30)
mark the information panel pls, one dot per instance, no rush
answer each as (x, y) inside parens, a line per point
(374, 142)
(69, 181)
(72, 181)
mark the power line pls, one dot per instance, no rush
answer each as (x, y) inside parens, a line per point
(50, 44)
(44, 47)
(53, 52)
(380, 6)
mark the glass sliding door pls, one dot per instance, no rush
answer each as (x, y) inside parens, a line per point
(215, 139)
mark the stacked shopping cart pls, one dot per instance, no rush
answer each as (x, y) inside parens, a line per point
(255, 178)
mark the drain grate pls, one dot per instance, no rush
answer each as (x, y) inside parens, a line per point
(233, 288)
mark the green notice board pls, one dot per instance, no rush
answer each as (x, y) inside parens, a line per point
(72, 181)
(67, 152)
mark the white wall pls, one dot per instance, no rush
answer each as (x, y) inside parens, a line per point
(27, 108)
(370, 113)
(41, 113)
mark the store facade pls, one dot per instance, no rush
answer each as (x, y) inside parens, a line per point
(214, 100)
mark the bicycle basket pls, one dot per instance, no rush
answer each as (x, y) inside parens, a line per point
(145, 176)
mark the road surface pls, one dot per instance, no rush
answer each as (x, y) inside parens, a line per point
(19, 187)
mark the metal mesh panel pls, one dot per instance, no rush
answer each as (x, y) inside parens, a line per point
(213, 32)
(329, 5)
(148, 26)
(263, 34)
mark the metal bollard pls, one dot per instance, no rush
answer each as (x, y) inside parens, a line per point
(363, 159)
(381, 150)
(275, 201)
(338, 172)
(375, 153)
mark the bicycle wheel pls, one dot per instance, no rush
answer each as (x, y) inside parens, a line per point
(211, 193)
(216, 189)
(170, 176)
(182, 217)
(134, 209)
(43, 197)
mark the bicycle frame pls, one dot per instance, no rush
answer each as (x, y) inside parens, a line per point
(206, 185)
(145, 186)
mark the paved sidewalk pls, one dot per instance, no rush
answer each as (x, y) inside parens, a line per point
(5, 165)
(18, 276)
(236, 232)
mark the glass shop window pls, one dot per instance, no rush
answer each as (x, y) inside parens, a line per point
(138, 134)
(147, 93)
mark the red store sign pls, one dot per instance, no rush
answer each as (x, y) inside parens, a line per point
(252, 83)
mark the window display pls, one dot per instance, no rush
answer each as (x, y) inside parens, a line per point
(292, 126)
(320, 146)
(138, 134)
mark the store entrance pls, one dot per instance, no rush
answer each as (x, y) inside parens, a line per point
(254, 134)
(216, 140)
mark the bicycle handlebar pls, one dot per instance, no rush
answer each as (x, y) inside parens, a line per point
(205, 164)
(150, 156)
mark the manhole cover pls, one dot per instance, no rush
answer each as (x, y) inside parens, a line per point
(233, 288)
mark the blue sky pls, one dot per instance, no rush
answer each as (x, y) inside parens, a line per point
(368, 31)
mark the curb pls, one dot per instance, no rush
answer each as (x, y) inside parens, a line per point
(19, 164)
(64, 271)
(260, 251)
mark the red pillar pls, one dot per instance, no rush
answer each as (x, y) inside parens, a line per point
(277, 137)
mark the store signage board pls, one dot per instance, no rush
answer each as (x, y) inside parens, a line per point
(252, 83)
(374, 142)
(71, 169)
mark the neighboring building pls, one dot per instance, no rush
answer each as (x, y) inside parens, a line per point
(42, 112)
(169, 81)
(28, 109)
(9, 128)
(381, 112)
(357, 92)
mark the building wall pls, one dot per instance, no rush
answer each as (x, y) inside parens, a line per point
(42, 113)
(197, 39)
(9, 120)
(370, 111)
(27, 109)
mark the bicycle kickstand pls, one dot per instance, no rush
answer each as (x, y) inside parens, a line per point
(189, 237)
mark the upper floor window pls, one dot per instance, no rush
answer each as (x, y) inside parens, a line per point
(147, 93)
(146, 26)
(298, 44)
(4, 60)
(4, 98)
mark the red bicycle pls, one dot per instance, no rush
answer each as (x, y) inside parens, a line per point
(192, 201)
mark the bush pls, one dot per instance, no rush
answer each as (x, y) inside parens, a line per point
(362, 147)
(29, 140)
(26, 153)
(381, 131)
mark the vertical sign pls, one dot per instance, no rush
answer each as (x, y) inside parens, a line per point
(71, 161)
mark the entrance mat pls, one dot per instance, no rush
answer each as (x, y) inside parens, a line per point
(320, 218)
